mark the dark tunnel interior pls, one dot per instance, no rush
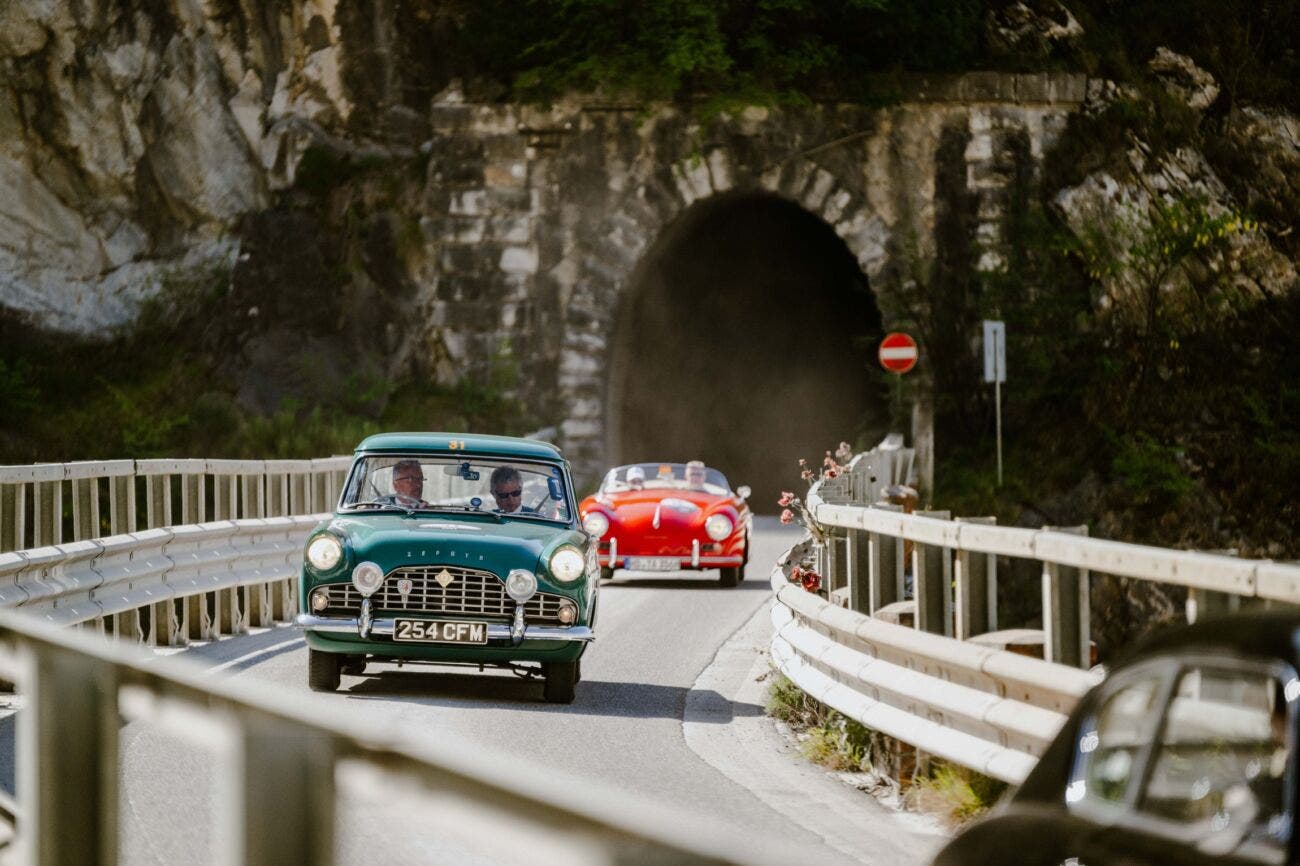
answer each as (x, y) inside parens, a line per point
(747, 341)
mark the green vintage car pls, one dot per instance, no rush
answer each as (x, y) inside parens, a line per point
(450, 548)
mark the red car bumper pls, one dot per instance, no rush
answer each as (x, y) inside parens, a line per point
(656, 557)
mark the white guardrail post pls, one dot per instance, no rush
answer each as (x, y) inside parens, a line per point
(975, 578)
(1066, 609)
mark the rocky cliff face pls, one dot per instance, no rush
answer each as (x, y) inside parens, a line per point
(135, 134)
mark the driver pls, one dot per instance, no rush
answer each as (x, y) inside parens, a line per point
(408, 484)
(695, 475)
(636, 478)
(508, 490)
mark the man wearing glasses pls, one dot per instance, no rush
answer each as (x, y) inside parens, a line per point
(508, 490)
(408, 484)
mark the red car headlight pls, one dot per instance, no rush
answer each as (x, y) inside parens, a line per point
(718, 526)
(596, 524)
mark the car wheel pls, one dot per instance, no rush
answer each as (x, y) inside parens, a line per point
(607, 574)
(577, 671)
(561, 679)
(354, 666)
(322, 671)
(730, 576)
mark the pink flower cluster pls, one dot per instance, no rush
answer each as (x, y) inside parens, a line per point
(793, 509)
(810, 580)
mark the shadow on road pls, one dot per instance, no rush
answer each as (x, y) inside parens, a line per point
(594, 697)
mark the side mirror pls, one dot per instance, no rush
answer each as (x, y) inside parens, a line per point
(743, 491)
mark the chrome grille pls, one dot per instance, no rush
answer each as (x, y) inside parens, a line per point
(471, 592)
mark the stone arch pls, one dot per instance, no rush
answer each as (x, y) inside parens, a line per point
(596, 273)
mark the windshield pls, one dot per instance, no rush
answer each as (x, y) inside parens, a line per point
(665, 476)
(433, 482)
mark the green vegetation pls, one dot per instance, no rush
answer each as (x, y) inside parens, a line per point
(829, 738)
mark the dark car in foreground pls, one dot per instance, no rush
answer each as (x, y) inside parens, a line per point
(451, 549)
(1185, 754)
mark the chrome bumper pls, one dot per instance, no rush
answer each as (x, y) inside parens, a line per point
(495, 630)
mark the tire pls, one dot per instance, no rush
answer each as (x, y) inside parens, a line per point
(731, 576)
(577, 674)
(354, 666)
(322, 671)
(607, 574)
(561, 680)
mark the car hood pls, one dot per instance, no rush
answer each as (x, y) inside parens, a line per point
(475, 542)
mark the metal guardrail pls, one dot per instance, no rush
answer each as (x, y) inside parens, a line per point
(167, 586)
(280, 759)
(928, 685)
(47, 503)
(990, 710)
(953, 565)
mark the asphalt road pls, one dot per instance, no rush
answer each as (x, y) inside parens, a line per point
(656, 660)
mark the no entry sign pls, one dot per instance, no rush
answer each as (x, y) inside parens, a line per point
(897, 353)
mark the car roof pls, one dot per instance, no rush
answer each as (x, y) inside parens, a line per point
(462, 443)
(1273, 634)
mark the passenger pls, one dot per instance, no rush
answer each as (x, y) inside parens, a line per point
(508, 490)
(695, 475)
(636, 478)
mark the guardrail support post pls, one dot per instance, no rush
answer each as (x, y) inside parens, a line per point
(1066, 638)
(158, 501)
(976, 576)
(67, 774)
(254, 495)
(886, 566)
(48, 505)
(858, 557)
(85, 508)
(283, 809)
(224, 504)
(1206, 603)
(121, 508)
(193, 508)
(932, 580)
(13, 516)
(283, 603)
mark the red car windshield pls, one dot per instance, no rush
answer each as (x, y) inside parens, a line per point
(663, 476)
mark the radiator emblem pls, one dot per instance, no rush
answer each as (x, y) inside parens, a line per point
(444, 578)
(404, 587)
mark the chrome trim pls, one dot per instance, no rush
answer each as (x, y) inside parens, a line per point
(517, 626)
(613, 552)
(495, 630)
(695, 553)
(364, 621)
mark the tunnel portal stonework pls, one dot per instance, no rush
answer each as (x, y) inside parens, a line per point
(536, 219)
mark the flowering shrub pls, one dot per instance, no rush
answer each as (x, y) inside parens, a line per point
(795, 510)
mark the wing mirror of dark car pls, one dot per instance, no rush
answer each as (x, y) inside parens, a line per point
(743, 491)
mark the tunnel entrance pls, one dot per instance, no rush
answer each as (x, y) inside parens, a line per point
(747, 340)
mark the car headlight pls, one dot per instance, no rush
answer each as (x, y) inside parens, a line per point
(320, 599)
(596, 524)
(567, 612)
(521, 585)
(718, 526)
(324, 552)
(567, 564)
(367, 577)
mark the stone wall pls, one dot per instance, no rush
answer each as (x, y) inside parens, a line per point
(538, 219)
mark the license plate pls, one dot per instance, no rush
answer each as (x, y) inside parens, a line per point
(438, 631)
(652, 563)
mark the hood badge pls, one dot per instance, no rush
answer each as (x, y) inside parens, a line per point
(444, 578)
(404, 587)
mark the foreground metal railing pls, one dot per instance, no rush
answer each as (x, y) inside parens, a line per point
(280, 762)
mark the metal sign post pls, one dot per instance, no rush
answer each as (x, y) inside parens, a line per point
(995, 371)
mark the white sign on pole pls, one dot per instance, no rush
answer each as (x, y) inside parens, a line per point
(995, 351)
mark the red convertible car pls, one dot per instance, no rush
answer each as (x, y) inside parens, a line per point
(669, 517)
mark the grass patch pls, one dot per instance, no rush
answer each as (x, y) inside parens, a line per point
(954, 794)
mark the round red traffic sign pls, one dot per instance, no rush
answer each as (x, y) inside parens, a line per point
(897, 352)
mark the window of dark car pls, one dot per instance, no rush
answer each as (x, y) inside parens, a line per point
(1219, 766)
(1112, 740)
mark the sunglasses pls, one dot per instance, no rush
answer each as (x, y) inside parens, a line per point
(507, 494)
